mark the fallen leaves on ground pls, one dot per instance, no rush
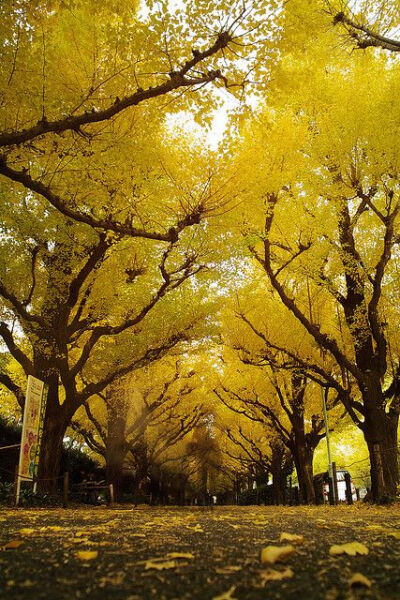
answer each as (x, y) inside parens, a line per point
(273, 575)
(13, 545)
(228, 569)
(197, 528)
(163, 552)
(169, 561)
(27, 531)
(291, 537)
(86, 555)
(274, 554)
(160, 566)
(188, 555)
(352, 548)
(226, 595)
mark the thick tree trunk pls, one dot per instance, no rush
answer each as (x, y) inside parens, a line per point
(116, 449)
(380, 433)
(278, 475)
(302, 448)
(390, 453)
(142, 470)
(381, 438)
(57, 417)
(56, 421)
(115, 456)
(303, 460)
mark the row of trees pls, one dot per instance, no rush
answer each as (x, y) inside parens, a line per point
(127, 243)
(101, 216)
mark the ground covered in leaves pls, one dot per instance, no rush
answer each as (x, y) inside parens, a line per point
(214, 554)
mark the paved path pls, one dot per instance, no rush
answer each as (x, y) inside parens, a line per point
(181, 553)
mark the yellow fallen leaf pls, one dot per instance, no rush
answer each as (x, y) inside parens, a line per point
(395, 534)
(226, 595)
(180, 555)
(160, 566)
(273, 554)
(273, 575)
(228, 569)
(359, 580)
(86, 555)
(291, 537)
(27, 531)
(352, 548)
(13, 545)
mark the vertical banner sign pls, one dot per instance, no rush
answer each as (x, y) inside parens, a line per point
(32, 428)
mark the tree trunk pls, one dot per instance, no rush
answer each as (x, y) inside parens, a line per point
(303, 460)
(116, 449)
(57, 417)
(390, 453)
(381, 439)
(56, 421)
(278, 475)
(380, 433)
(142, 470)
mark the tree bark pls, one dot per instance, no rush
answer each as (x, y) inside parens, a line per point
(303, 460)
(142, 469)
(56, 421)
(116, 449)
(380, 433)
(278, 474)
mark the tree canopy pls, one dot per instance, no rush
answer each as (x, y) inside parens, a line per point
(190, 308)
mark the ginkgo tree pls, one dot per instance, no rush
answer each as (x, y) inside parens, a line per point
(88, 307)
(325, 209)
(87, 203)
(270, 351)
(138, 418)
(365, 26)
(253, 450)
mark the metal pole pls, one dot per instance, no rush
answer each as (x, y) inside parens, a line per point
(328, 445)
(17, 484)
(335, 484)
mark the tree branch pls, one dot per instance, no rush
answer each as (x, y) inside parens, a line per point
(6, 380)
(16, 352)
(105, 224)
(177, 79)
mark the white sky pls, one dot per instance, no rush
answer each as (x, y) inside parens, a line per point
(212, 135)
